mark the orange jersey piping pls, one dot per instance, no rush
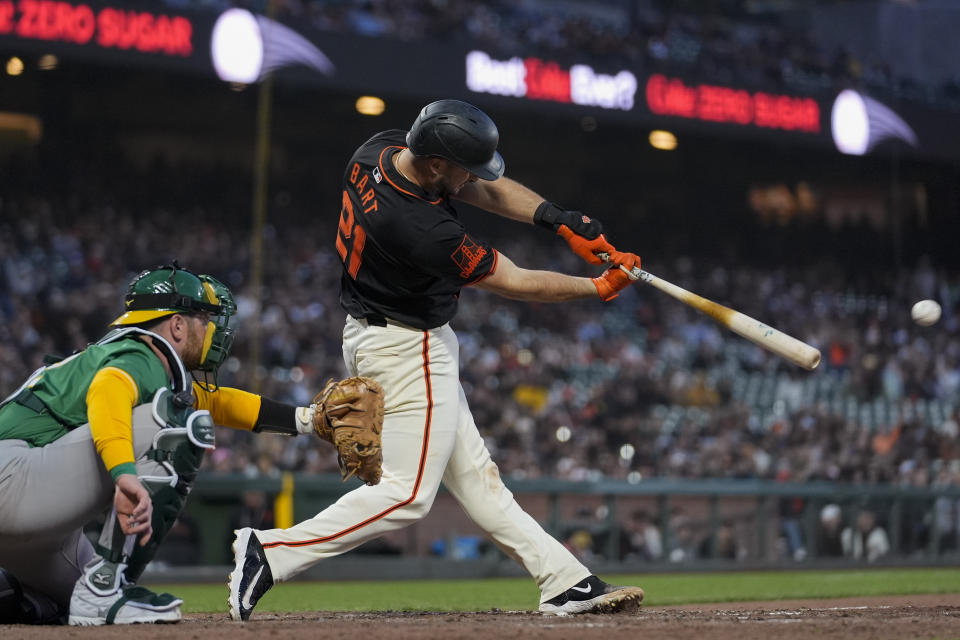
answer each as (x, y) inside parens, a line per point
(416, 486)
(394, 184)
(488, 273)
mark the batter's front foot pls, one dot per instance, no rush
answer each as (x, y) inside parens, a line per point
(593, 595)
(251, 576)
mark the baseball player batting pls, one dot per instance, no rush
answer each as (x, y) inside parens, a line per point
(406, 255)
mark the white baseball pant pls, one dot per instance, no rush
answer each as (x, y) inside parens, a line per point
(429, 436)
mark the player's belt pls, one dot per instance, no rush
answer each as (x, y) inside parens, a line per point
(377, 320)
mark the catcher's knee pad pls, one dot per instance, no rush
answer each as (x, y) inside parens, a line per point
(167, 470)
(22, 605)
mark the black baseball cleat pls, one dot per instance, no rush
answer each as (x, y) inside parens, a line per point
(251, 576)
(593, 595)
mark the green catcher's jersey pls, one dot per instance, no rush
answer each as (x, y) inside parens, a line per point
(63, 386)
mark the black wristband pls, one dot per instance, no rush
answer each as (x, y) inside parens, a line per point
(276, 417)
(550, 216)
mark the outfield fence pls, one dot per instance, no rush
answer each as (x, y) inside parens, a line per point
(656, 524)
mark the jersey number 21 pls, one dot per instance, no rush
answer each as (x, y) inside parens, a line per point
(352, 233)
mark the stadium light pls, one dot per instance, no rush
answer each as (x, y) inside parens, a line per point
(859, 123)
(370, 105)
(47, 62)
(237, 47)
(14, 66)
(244, 47)
(663, 140)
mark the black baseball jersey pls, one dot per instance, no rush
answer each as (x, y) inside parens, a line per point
(405, 252)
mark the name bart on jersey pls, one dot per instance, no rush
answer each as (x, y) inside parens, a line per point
(368, 199)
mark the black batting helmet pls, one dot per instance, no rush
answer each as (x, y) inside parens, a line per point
(459, 132)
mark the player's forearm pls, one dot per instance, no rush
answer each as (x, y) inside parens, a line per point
(505, 197)
(546, 286)
(241, 409)
(229, 407)
(510, 281)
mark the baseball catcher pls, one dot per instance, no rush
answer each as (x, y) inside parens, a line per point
(122, 427)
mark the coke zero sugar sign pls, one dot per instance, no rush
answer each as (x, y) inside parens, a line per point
(102, 26)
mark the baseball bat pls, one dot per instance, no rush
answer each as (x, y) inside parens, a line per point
(796, 351)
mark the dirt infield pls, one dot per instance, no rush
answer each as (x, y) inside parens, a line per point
(926, 616)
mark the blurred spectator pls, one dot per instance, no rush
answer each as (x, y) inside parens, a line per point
(865, 540)
(722, 544)
(641, 539)
(916, 516)
(683, 540)
(946, 509)
(255, 510)
(791, 510)
(181, 546)
(829, 538)
(580, 543)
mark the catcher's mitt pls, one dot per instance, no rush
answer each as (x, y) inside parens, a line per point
(349, 414)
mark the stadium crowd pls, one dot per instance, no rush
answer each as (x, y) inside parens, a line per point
(724, 45)
(640, 387)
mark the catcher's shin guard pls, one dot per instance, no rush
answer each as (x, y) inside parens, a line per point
(168, 470)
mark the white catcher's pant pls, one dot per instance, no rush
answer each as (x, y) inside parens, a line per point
(429, 436)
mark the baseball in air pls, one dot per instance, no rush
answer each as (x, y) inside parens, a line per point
(925, 312)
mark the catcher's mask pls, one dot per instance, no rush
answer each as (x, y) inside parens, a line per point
(223, 334)
(170, 289)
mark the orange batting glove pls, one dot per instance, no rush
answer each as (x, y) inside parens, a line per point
(611, 282)
(586, 249)
(583, 233)
(629, 260)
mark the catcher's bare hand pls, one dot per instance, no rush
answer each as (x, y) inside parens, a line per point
(134, 507)
(349, 414)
